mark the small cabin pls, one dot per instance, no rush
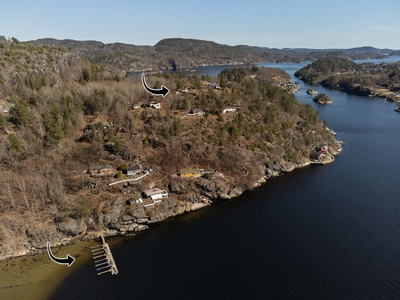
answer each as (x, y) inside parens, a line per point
(155, 104)
(321, 148)
(197, 111)
(135, 170)
(101, 170)
(215, 86)
(229, 109)
(190, 173)
(130, 201)
(155, 194)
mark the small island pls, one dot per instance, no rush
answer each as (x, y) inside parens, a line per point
(322, 99)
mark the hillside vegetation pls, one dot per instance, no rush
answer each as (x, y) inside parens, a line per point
(325, 67)
(62, 114)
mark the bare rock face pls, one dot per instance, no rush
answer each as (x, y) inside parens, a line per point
(178, 186)
(276, 167)
(72, 227)
(235, 192)
(208, 189)
(111, 218)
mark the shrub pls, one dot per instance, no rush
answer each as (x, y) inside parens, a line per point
(84, 207)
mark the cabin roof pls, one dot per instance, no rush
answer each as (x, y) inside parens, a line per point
(151, 192)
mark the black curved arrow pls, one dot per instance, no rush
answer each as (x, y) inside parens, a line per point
(62, 261)
(163, 91)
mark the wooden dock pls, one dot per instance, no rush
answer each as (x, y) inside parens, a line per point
(103, 259)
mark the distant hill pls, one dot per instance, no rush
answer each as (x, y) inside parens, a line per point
(187, 53)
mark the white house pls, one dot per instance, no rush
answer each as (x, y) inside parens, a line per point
(229, 109)
(155, 105)
(155, 194)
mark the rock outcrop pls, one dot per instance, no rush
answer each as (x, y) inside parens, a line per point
(72, 227)
(322, 99)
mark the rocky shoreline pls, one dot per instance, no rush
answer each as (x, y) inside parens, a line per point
(187, 195)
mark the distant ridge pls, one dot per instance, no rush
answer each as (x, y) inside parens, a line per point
(187, 53)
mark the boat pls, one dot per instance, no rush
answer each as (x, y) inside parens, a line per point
(397, 109)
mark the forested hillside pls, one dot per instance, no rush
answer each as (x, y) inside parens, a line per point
(61, 114)
(324, 67)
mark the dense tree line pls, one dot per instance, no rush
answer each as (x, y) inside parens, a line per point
(324, 67)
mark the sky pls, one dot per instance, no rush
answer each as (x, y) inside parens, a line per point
(317, 24)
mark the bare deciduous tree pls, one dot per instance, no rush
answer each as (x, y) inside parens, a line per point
(22, 188)
(8, 183)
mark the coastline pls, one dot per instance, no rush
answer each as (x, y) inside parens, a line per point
(184, 207)
(26, 273)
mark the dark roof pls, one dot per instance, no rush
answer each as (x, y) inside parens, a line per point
(131, 200)
(134, 168)
(317, 154)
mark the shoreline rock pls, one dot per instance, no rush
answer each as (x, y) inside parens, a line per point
(116, 222)
(322, 99)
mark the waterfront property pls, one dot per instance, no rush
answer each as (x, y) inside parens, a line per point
(102, 170)
(155, 194)
(321, 148)
(317, 156)
(190, 173)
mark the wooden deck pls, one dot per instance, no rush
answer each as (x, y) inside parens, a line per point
(103, 259)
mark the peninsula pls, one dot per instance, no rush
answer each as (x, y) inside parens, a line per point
(85, 148)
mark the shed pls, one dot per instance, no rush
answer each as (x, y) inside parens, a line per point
(130, 201)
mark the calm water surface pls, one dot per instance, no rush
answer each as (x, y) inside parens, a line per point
(322, 232)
